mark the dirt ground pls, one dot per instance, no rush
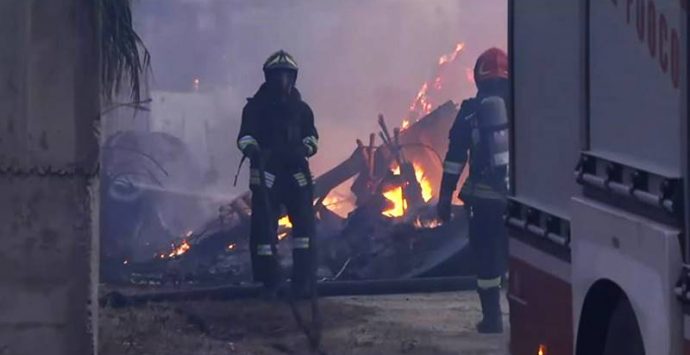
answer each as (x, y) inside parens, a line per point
(400, 324)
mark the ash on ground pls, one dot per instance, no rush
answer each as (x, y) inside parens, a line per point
(423, 324)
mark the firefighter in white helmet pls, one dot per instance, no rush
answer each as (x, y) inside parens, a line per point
(278, 131)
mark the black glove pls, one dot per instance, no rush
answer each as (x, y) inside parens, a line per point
(443, 209)
(251, 151)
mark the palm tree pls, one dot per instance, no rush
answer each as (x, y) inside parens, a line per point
(124, 58)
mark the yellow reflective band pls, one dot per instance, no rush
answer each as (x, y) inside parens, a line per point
(451, 167)
(488, 194)
(300, 243)
(264, 249)
(482, 191)
(257, 182)
(489, 283)
(301, 179)
(246, 141)
(255, 178)
(502, 158)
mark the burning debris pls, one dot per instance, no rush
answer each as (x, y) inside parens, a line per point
(375, 215)
(149, 193)
(183, 248)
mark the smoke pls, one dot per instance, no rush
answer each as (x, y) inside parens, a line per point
(357, 58)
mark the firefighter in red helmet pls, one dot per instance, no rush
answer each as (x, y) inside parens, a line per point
(479, 137)
(278, 135)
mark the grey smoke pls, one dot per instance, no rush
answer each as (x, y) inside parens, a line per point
(357, 58)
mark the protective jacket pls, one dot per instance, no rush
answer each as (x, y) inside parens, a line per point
(283, 131)
(480, 135)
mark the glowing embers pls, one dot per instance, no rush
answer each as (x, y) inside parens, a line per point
(179, 249)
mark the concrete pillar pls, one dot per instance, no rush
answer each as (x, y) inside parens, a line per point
(49, 104)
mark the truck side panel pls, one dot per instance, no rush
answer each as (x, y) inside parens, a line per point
(548, 76)
(637, 81)
(547, 49)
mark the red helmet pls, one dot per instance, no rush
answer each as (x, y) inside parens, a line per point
(492, 64)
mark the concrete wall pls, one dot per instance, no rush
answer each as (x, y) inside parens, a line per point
(48, 107)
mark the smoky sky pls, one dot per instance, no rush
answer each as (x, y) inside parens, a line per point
(357, 58)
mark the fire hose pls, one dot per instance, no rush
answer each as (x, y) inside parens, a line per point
(312, 331)
(326, 288)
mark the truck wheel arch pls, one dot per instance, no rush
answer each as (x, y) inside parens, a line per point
(606, 315)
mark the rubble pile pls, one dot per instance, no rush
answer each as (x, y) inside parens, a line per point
(383, 227)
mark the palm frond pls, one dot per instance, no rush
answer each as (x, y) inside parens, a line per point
(124, 57)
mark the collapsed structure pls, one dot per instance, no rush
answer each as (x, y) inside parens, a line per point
(374, 218)
(374, 211)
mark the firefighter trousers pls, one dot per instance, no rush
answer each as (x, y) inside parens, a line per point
(488, 240)
(294, 191)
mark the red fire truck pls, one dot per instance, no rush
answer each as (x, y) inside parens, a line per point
(599, 170)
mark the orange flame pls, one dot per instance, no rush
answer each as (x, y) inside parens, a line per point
(284, 227)
(395, 194)
(285, 222)
(447, 58)
(423, 102)
(430, 224)
(438, 83)
(424, 182)
(179, 250)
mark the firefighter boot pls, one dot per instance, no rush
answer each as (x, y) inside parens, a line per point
(491, 310)
(303, 276)
(270, 275)
(273, 288)
(302, 289)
